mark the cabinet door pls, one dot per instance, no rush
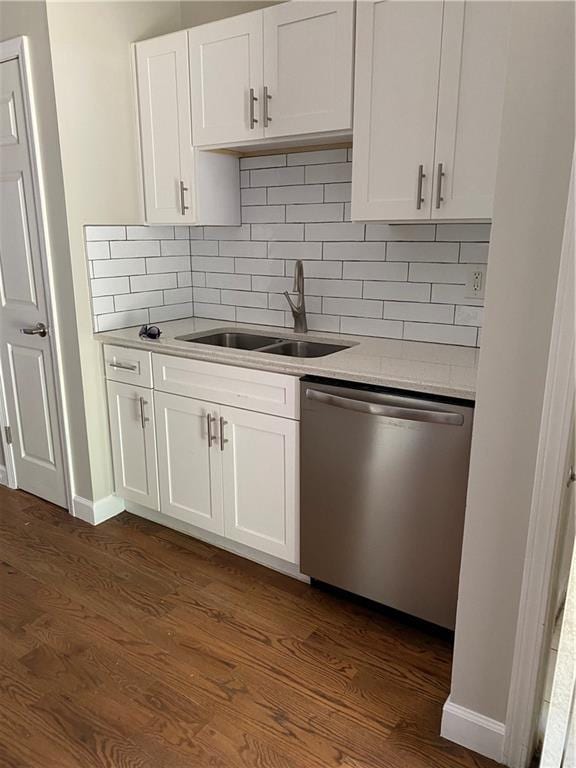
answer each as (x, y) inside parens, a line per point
(133, 438)
(260, 479)
(308, 67)
(225, 64)
(189, 464)
(166, 129)
(471, 96)
(396, 86)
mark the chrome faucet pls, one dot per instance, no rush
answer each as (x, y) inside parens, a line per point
(298, 310)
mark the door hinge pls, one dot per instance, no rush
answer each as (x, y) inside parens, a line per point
(8, 435)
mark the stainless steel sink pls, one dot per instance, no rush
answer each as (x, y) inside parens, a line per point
(232, 340)
(291, 348)
(273, 345)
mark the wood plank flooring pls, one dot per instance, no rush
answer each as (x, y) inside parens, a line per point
(129, 645)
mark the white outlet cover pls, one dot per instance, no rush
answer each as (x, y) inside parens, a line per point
(471, 292)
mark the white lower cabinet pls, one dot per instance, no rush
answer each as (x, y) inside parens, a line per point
(260, 479)
(189, 464)
(133, 440)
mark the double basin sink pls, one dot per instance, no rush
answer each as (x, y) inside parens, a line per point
(273, 345)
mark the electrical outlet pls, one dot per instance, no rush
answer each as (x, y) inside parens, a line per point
(476, 282)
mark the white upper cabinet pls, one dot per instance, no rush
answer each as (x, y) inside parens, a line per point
(283, 71)
(470, 102)
(397, 63)
(308, 67)
(182, 185)
(226, 68)
(429, 91)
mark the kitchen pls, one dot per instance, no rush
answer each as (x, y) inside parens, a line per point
(277, 318)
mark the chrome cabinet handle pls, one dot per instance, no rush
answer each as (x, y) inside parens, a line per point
(38, 330)
(223, 440)
(440, 175)
(252, 99)
(123, 366)
(211, 435)
(183, 206)
(143, 417)
(571, 477)
(421, 177)
(392, 411)
(266, 116)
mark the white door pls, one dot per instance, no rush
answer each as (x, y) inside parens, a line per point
(308, 67)
(396, 87)
(166, 129)
(189, 461)
(226, 77)
(131, 413)
(470, 102)
(27, 366)
(260, 476)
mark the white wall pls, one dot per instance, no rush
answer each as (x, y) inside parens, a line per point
(531, 195)
(90, 44)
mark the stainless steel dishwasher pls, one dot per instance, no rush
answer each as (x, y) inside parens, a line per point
(383, 493)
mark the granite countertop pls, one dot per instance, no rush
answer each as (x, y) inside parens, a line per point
(439, 369)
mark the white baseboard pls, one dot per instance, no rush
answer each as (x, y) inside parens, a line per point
(3, 476)
(275, 563)
(96, 512)
(472, 730)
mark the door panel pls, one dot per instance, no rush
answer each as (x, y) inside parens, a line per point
(189, 468)
(133, 436)
(397, 69)
(471, 97)
(26, 361)
(260, 481)
(225, 63)
(308, 65)
(166, 128)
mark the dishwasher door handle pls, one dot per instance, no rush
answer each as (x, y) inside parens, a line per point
(391, 411)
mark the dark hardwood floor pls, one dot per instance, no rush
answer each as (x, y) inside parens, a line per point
(132, 646)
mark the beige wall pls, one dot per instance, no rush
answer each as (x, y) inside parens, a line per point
(531, 195)
(90, 43)
(29, 18)
(195, 12)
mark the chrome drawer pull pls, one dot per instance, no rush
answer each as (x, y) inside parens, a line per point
(123, 366)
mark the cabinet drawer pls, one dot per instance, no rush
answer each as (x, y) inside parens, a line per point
(129, 366)
(261, 391)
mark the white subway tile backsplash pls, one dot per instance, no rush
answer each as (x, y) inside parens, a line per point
(315, 212)
(263, 214)
(142, 300)
(305, 193)
(463, 232)
(277, 231)
(259, 266)
(435, 252)
(167, 264)
(334, 232)
(126, 249)
(393, 280)
(391, 329)
(150, 233)
(152, 282)
(326, 174)
(105, 233)
(319, 157)
(119, 267)
(352, 307)
(400, 232)
(243, 249)
(419, 312)
(296, 250)
(98, 250)
(441, 334)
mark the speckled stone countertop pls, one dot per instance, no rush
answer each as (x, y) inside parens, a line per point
(438, 369)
